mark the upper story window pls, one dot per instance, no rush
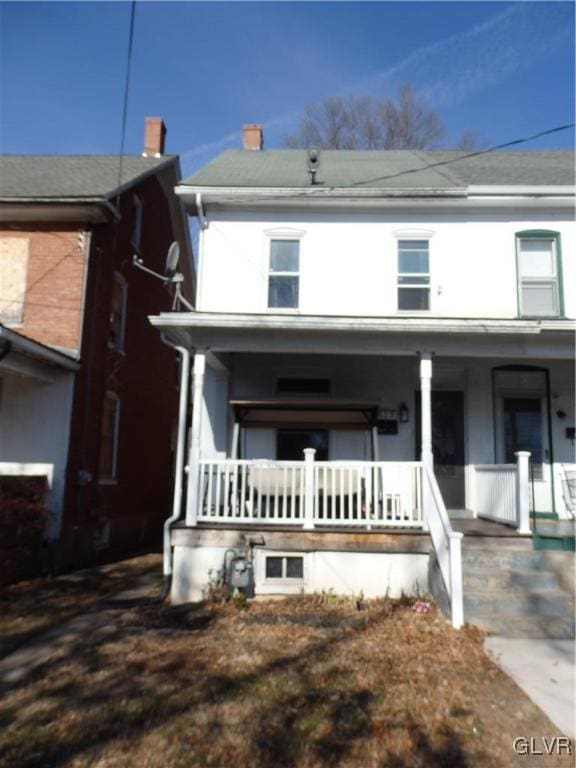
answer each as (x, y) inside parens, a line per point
(136, 234)
(13, 275)
(109, 432)
(284, 274)
(413, 275)
(118, 312)
(539, 293)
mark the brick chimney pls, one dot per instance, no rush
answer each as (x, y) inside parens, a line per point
(154, 136)
(253, 136)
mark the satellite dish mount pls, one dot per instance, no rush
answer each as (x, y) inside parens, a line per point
(171, 276)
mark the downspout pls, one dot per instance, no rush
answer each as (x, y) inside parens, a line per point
(179, 469)
(201, 217)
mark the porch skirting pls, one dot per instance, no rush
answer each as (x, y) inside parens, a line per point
(348, 563)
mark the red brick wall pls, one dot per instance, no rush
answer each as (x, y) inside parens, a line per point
(144, 377)
(54, 284)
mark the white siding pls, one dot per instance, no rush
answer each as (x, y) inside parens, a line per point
(348, 262)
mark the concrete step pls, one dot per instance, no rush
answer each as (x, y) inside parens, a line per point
(534, 627)
(482, 579)
(490, 603)
(527, 560)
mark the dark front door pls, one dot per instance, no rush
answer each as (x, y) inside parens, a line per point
(447, 444)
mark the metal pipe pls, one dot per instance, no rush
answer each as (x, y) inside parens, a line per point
(179, 468)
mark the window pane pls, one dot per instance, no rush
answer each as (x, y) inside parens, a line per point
(413, 280)
(295, 567)
(539, 299)
(283, 292)
(413, 245)
(274, 567)
(290, 444)
(523, 428)
(413, 256)
(284, 255)
(413, 298)
(537, 258)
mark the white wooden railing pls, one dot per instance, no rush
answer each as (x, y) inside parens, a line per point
(501, 492)
(309, 493)
(447, 545)
(495, 492)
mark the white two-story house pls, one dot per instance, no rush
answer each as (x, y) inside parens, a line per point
(377, 336)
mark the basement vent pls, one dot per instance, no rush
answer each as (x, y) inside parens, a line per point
(304, 386)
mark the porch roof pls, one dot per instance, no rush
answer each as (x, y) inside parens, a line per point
(398, 335)
(345, 413)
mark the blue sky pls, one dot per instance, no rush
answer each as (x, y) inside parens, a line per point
(504, 70)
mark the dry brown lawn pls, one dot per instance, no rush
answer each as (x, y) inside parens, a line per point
(307, 681)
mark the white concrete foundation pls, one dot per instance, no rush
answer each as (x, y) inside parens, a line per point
(374, 574)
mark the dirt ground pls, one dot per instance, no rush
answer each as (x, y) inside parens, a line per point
(302, 682)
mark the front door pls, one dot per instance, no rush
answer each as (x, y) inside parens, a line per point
(447, 444)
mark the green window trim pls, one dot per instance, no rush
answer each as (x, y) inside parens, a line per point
(541, 234)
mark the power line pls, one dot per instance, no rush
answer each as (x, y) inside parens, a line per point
(476, 153)
(126, 90)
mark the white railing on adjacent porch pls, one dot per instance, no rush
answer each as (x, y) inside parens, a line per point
(447, 545)
(310, 494)
(501, 492)
(495, 492)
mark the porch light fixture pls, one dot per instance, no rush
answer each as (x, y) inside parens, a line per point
(403, 413)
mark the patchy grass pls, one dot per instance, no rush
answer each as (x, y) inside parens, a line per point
(295, 683)
(33, 606)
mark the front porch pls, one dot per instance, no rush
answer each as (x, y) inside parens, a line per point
(363, 439)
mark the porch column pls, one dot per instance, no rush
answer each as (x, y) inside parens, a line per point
(426, 409)
(522, 492)
(192, 498)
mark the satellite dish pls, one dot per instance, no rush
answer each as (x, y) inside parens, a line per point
(172, 260)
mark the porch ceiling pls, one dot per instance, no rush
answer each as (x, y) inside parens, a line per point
(281, 333)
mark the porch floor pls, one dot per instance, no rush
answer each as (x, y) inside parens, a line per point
(477, 532)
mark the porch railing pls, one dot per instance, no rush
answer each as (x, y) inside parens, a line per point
(501, 492)
(447, 546)
(310, 494)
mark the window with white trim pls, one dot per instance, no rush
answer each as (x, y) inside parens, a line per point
(118, 312)
(284, 567)
(136, 234)
(538, 279)
(413, 275)
(284, 274)
(109, 431)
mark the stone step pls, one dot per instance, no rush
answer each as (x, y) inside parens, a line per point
(535, 627)
(507, 580)
(481, 604)
(520, 560)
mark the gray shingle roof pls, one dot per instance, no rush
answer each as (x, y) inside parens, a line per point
(71, 176)
(395, 169)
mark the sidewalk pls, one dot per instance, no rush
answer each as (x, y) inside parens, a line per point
(51, 641)
(546, 671)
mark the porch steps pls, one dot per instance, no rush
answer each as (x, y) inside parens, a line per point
(515, 592)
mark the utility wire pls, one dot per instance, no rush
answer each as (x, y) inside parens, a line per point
(467, 155)
(126, 90)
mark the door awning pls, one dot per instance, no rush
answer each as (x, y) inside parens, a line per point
(305, 413)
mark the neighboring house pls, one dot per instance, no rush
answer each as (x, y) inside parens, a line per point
(408, 315)
(87, 386)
